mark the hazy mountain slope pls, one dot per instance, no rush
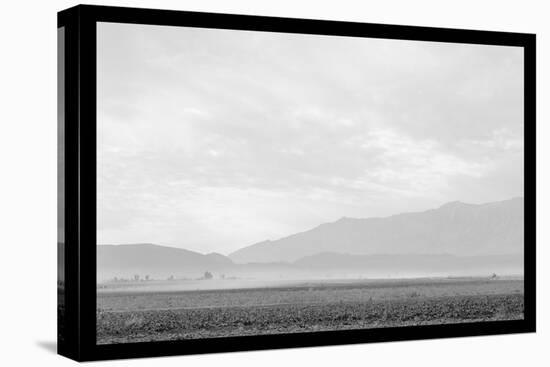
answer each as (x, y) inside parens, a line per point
(331, 264)
(155, 261)
(159, 262)
(455, 228)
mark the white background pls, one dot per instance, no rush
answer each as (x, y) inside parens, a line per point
(28, 183)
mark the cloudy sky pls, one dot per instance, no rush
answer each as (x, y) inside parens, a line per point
(212, 140)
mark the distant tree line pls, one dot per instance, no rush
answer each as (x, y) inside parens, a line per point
(138, 278)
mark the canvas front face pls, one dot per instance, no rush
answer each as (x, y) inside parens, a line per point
(261, 183)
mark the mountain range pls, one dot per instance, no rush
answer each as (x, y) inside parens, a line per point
(455, 228)
(454, 239)
(154, 260)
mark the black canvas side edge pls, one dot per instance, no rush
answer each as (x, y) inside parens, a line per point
(69, 342)
(298, 25)
(87, 184)
(530, 154)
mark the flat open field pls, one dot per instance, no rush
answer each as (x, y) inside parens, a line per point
(146, 315)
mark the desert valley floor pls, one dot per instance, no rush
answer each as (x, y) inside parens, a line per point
(163, 310)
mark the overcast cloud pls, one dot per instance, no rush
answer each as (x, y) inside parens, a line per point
(212, 140)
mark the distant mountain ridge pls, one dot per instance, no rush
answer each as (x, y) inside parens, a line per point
(155, 260)
(455, 228)
(161, 262)
(454, 239)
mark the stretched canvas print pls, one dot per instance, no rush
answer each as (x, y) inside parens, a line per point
(252, 179)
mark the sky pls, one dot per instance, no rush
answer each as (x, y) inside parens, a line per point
(212, 140)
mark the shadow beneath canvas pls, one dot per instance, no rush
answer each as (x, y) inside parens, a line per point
(49, 345)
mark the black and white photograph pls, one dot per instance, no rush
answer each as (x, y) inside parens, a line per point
(260, 183)
(275, 183)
